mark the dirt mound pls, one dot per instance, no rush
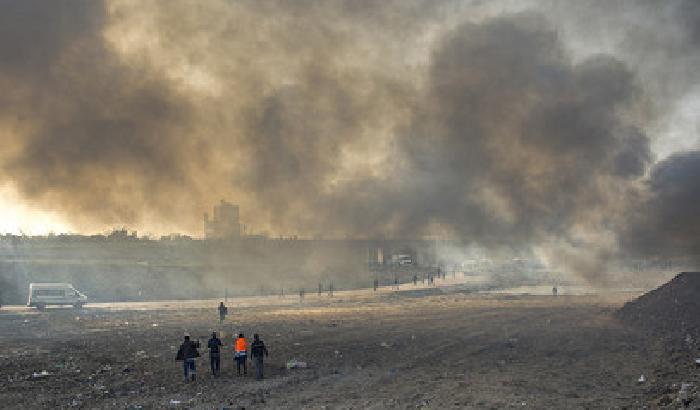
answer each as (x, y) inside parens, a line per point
(672, 309)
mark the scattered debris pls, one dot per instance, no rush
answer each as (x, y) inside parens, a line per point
(685, 389)
(296, 364)
(40, 375)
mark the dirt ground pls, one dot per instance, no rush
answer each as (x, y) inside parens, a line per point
(415, 349)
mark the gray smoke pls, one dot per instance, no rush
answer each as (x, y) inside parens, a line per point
(343, 118)
(667, 222)
(82, 131)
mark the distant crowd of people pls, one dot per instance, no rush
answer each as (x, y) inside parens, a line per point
(189, 352)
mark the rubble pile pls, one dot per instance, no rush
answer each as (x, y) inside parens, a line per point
(672, 309)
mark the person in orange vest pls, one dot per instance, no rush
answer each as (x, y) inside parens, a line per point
(241, 354)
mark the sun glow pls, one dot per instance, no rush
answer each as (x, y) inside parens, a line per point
(19, 217)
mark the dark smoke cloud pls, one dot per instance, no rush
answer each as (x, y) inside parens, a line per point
(511, 143)
(667, 222)
(344, 118)
(85, 133)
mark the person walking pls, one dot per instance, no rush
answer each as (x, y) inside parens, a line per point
(188, 353)
(258, 351)
(214, 345)
(241, 354)
(223, 311)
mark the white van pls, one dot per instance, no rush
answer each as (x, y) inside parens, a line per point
(44, 294)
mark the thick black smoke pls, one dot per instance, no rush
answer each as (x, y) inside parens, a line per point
(667, 222)
(395, 119)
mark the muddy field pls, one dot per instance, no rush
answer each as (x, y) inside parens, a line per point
(409, 349)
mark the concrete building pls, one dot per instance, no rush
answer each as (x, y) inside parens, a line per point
(225, 223)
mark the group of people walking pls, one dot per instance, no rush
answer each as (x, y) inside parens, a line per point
(189, 352)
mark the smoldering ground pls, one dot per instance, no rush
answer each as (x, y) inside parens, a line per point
(342, 118)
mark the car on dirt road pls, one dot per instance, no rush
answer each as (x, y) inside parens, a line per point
(44, 294)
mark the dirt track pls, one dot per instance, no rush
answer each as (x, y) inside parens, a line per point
(391, 351)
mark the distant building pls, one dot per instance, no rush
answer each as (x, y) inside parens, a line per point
(225, 222)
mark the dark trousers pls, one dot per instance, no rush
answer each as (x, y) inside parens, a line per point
(189, 366)
(240, 362)
(215, 362)
(258, 367)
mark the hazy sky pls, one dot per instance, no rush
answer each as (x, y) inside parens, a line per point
(502, 122)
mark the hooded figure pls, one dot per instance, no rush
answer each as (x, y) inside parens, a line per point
(188, 353)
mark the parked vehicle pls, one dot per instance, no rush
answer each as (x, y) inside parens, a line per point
(44, 294)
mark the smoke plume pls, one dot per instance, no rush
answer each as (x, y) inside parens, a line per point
(667, 222)
(495, 124)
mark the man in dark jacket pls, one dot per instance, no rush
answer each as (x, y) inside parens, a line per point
(214, 345)
(223, 311)
(188, 353)
(258, 351)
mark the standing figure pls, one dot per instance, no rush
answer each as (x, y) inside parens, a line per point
(320, 289)
(330, 290)
(258, 351)
(415, 280)
(555, 291)
(223, 311)
(188, 353)
(214, 345)
(376, 284)
(241, 354)
(301, 295)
